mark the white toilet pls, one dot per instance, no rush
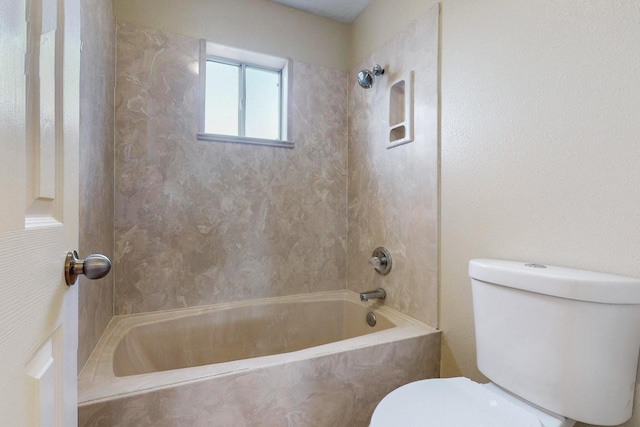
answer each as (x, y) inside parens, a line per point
(558, 345)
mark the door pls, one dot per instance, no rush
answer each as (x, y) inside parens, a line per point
(39, 81)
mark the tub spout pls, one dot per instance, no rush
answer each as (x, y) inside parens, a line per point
(377, 294)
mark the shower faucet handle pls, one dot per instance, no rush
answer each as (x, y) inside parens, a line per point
(381, 260)
(376, 262)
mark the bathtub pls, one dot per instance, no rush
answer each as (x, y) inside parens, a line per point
(310, 360)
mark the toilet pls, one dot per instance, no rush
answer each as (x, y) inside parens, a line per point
(558, 346)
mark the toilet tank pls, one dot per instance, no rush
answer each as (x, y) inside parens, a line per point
(566, 340)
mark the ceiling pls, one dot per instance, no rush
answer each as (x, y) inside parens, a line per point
(340, 10)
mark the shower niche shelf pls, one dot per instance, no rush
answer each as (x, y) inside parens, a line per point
(401, 111)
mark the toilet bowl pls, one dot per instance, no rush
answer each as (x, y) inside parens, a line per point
(459, 402)
(543, 334)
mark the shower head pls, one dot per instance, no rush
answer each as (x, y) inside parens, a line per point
(366, 77)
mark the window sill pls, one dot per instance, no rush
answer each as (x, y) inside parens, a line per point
(244, 140)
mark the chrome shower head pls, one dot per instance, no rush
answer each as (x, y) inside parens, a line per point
(366, 77)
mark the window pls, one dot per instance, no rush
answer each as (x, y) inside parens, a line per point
(244, 97)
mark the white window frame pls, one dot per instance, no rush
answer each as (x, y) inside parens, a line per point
(220, 53)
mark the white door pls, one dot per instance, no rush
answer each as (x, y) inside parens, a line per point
(39, 85)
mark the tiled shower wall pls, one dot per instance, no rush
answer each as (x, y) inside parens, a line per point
(393, 193)
(97, 81)
(199, 222)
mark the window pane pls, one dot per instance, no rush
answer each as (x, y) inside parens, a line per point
(262, 103)
(221, 108)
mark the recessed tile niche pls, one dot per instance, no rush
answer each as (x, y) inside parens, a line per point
(401, 111)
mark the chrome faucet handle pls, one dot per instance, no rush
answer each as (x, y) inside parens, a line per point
(381, 260)
(376, 262)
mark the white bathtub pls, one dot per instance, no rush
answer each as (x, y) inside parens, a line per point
(309, 360)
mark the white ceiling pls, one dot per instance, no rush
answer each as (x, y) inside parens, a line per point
(340, 10)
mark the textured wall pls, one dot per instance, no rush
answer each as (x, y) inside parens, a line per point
(97, 81)
(540, 145)
(256, 25)
(201, 222)
(380, 22)
(393, 193)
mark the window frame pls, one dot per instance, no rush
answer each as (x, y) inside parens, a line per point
(244, 59)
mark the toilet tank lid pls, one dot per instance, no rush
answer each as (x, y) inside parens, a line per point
(560, 282)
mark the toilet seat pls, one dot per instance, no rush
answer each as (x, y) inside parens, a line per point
(451, 402)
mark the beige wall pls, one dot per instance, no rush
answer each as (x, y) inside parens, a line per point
(97, 81)
(258, 25)
(380, 22)
(540, 142)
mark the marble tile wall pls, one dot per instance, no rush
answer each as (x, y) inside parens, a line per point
(393, 193)
(97, 81)
(199, 222)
